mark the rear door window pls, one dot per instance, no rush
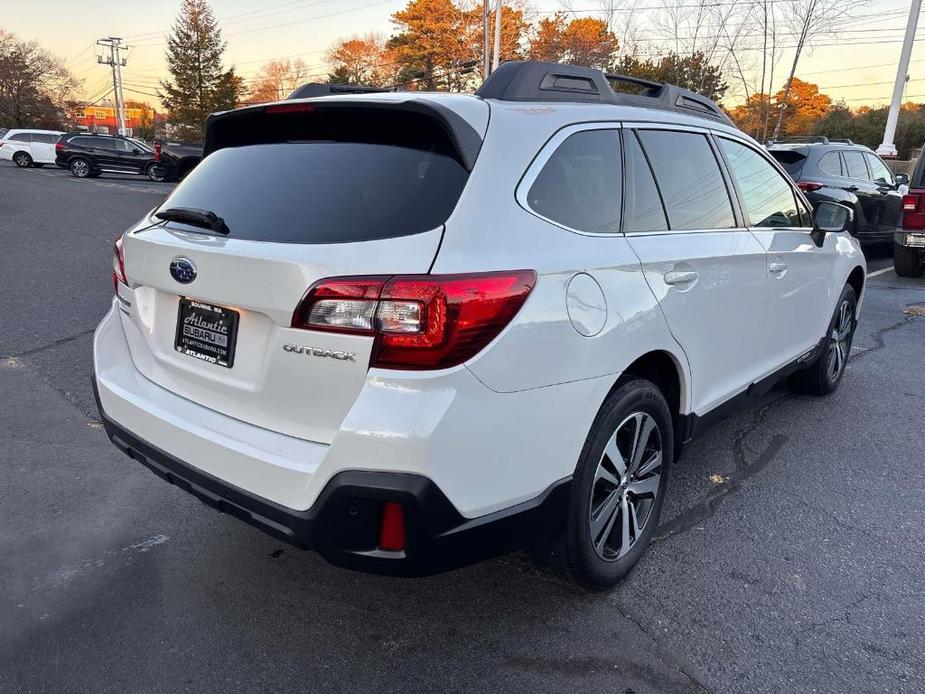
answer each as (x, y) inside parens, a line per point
(768, 199)
(579, 186)
(830, 163)
(644, 209)
(689, 178)
(45, 138)
(854, 162)
(321, 178)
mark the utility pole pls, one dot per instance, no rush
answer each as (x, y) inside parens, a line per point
(496, 58)
(887, 148)
(115, 61)
(486, 42)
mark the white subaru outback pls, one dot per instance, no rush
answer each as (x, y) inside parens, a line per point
(411, 331)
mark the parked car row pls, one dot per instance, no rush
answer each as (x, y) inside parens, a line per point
(87, 155)
(885, 210)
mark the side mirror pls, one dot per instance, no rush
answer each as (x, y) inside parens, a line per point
(902, 179)
(830, 218)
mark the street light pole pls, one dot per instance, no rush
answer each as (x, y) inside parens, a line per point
(496, 58)
(486, 43)
(887, 148)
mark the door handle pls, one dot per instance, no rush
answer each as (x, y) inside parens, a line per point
(682, 277)
(777, 267)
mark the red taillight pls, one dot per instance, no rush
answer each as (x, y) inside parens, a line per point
(118, 264)
(392, 527)
(290, 108)
(419, 321)
(808, 186)
(59, 146)
(910, 203)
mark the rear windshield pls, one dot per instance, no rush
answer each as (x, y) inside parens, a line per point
(333, 184)
(791, 160)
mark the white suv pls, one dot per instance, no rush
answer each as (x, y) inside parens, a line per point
(411, 331)
(27, 148)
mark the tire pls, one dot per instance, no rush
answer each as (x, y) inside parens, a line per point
(600, 543)
(22, 159)
(825, 373)
(80, 167)
(156, 173)
(907, 261)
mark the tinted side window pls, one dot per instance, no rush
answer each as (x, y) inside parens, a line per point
(766, 196)
(878, 170)
(831, 164)
(20, 137)
(855, 163)
(580, 185)
(690, 180)
(644, 210)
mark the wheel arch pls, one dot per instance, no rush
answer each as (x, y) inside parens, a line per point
(666, 371)
(856, 280)
(21, 151)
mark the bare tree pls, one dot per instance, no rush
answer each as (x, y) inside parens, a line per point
(34, 84)
(810, 19)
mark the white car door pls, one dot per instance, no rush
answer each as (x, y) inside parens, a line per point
(800, 272)
(43, 147)
(708, 272)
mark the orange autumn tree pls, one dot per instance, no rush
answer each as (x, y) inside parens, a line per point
(362, 60)
(581, 41)
(804, 108)
(277, 79)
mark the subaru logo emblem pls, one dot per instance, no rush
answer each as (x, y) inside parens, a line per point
(183, 270)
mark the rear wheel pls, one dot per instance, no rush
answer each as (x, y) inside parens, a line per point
(157, 173)
(80, 167)
(618, 489)
(907, 261)
(824, 374)
(22, 160)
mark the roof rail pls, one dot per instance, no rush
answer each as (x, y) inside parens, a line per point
(841, 140)
(532, 80)
(312, 89)
(803, 139)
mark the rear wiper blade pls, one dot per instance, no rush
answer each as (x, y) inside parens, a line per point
(194, 217)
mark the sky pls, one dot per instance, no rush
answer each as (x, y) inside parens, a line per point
(858, 66)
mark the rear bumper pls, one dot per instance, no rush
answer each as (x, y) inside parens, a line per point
(343, 523)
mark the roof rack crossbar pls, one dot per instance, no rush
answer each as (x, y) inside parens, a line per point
(312, 89)
(533, 80)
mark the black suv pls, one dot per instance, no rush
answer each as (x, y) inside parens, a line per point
(841, 171)
(89, 155)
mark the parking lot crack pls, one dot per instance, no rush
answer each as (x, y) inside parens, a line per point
(50, 345)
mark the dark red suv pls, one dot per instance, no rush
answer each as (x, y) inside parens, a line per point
(909, 244)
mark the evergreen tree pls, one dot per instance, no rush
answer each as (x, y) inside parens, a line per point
(199, 85)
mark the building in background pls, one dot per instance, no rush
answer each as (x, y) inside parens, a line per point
(140, 118)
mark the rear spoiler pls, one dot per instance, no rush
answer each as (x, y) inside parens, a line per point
(221, 128)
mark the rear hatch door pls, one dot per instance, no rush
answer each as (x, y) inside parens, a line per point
(339, 190)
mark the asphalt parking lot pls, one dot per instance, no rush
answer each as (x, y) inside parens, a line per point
(790, 558)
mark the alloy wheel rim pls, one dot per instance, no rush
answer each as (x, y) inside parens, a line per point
(839, 342)
(21, 160)
(625, 487)
(157, 174)
(80, 168)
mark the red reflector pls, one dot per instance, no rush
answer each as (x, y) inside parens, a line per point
(289, 108)
(118, 264)
(808, 186)
(910, 203)
(392, 527)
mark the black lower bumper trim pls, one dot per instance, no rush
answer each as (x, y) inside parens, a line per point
(343, 523)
